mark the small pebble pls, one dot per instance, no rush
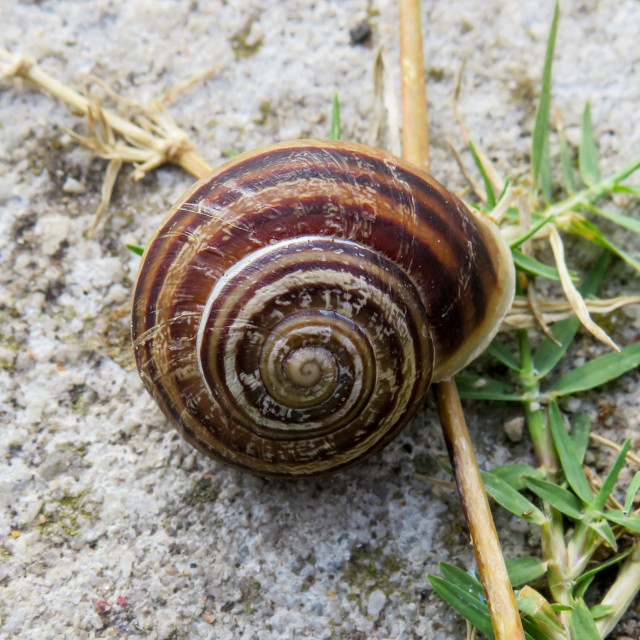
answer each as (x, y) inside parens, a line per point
(514, 428)
(71, 185)
(376, 603)
(361, 33)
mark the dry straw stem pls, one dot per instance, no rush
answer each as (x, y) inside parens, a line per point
(573, 295)
(616, 447)
(491, 566)
(437, 482)
(493, 573)
(496, 181)
(385, 132)
(415, 130)
(160, 141)
(535, 305)
(596, 484)
(475, 187)
(520, 315)
(534, 313)
(622, 593)
(156, 140)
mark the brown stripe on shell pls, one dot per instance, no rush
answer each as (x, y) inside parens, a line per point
(234, 302)
(387, 235)
(315, 452)
(426, 231)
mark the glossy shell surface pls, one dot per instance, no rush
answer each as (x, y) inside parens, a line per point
(294, 306)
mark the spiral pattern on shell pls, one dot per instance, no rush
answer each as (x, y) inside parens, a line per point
(293, 308)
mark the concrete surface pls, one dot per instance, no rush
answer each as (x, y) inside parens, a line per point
(111, 526)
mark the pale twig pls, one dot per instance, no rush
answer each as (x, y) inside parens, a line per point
(113, 169)
(521, 316)
(171, 94)
(498, 213)
(415, 121)
(471, 631)
(168, 143)
(155, 140)
(596, 484)
(386, 121)
(116, 97)
(496, 181)
(534, 305)
(491, 567)
(446, 484)
(501, 602)
(573, 295)
(622, 592)
(616, 447)
(465, 172)
(532, 299)
(154, 119)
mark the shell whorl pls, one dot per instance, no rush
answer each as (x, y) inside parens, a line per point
(293, 307)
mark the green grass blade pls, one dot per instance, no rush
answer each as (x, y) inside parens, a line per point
(534, 604)
(336, 129)
(621, 253)
(581, 623)
(581, 588)
(513, 501)
(571, 465)
(580, 428)
(545, 175)
(498, 350)
(563, 500)
(612, 476)
(525, 569)
(134, 248)
(567, 165)
(588, 575)
(626, 188)
(626, 171)
(603, 530)
(587, 155)
(548, 353)
(589, 231)
(463, 579)
(533, 229)
(505, 188)
(601, 610)
(540, 144)
(512, 474)
(533, 266)
(532, 630)
(598, 371)
(478, 388)
(618, 218)
(630, 521)
(512, 214)
(491, 196)
(470, 607)
(631, 492)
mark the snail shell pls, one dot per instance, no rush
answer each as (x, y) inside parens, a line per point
(293, 307)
